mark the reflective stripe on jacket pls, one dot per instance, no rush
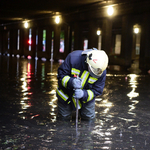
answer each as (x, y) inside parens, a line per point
(75, 64)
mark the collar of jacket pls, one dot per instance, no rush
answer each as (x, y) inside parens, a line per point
(84, 64)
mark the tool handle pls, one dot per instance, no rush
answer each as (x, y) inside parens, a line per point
(76, 106)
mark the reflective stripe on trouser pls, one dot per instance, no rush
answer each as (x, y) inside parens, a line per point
(87, 112)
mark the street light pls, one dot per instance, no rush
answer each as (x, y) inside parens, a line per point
(99, 38)
(110, 10)
(57, 19)
(136, 28)
(26, 24)
(98, 31)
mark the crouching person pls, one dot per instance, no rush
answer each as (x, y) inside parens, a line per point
(81, 76)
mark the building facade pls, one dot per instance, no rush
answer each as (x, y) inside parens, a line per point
(124, 35)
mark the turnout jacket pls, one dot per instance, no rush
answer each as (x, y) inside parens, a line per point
(75, 64)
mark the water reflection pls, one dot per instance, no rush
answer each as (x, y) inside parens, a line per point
(133, 84)
(29, 106)
(104, 103)
(48, 81)
(53, 100)
(101, 131)
(26, 89)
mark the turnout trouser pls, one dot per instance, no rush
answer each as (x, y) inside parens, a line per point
(86, 113)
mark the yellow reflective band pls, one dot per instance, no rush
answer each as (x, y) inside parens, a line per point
(90, 95)
(62, 94)
(75, 71)
(65, 81)
(74, 102)
(80, 105)
(92, 80)
(84, 77)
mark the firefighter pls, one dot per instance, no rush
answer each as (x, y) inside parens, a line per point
(81, 76)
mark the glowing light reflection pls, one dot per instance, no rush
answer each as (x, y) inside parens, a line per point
(52, 92)
(26, 79)
(133, 94)
(106, 110)
(105, 147)
(25, 105)
(104, 103)
(107, 142)
(98, 99)
(127, 120)
(34, 116)
(132, 106)
(133, 83)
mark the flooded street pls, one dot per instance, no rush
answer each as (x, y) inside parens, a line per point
(28, 108)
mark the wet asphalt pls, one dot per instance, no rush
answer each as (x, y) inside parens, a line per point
(28, 108)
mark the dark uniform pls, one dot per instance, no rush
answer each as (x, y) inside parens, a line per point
(75, 64)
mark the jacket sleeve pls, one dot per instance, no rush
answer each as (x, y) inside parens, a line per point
(64, 74)
(95, 90)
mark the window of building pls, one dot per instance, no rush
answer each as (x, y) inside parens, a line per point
(72, 42)
(118, 44)
(36, 42)
(36, 37)
(30, 39)
(137, 46)
(85, 44)
(18, 39)
(52, 45)
(99, 42)
(8, 40)
(44, 41)
(62, 44)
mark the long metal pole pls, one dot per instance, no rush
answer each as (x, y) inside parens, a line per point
(76, 113)
(76, 108)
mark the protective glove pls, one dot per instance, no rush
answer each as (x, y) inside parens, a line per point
(78, 93)
(76, 83)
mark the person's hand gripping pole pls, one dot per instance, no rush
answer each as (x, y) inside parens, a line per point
(77, 85)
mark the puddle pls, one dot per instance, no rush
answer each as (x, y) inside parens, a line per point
(29, 107)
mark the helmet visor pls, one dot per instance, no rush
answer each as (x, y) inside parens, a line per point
(95, 72)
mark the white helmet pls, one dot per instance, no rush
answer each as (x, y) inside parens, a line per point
(97, 62)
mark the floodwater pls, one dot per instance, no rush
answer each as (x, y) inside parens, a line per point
(28, 108)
